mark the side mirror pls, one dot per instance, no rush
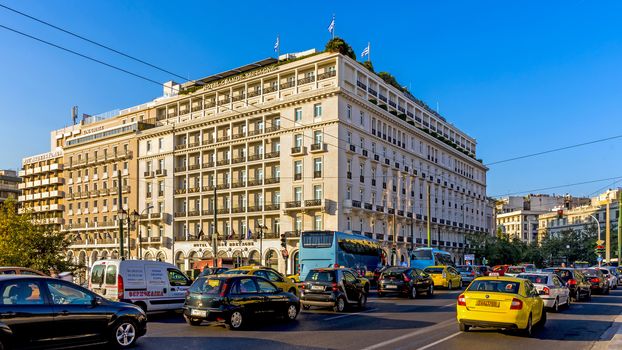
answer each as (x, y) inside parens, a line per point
(96, 301)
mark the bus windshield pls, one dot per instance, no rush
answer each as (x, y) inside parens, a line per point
(424, 257)
(422, 254)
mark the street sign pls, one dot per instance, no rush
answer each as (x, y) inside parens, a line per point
(470, 257)
(599, 259)
(600, 242)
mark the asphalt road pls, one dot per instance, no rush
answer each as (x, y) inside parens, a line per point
(391, 323)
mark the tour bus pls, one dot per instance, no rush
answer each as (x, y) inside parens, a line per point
(330, 248)
(424, 257)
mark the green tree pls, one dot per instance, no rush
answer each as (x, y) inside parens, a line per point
(368, 65)
(24, 243)
(339, 45)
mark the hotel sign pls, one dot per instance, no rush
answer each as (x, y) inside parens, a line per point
(239, 77)
(41, 157)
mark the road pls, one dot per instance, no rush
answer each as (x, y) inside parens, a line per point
(391, 323)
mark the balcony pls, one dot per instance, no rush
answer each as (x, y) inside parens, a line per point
(180, 191)
(380, 208)
(255, 182)
(160, 172)
(238, 136)
(356, 204)
(222, 162)
(125, 189)
(180, 168)
(180, 214)
(326, 75)
(272, 155)
(238, 210)
(194, 213)
(306, 80)
(255, 132)
(195, 166)
(293, 204)
(223, 138)
(368, 206)
(272, 180)
(352, 148)
(313, 202)
(254, 208)
(238, 160)
(254, 157)
(237, 184)
(222, 186)
(287, 85)
(194, 144)
(273, 128)
(318, 147)
(181, 146)
(194, 189)
(268, 207)
(148, 174)
(223, 211)
(298, 150)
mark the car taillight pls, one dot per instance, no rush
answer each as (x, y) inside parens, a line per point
(473, 273)
(461, 300)
(572, 282)
(120, 288)
(595, 280)
(546, 290)
(302, 286)
(335, 287)
(406, 278)
(223, 291)
(517, 304)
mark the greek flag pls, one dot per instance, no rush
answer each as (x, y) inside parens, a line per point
(331, 26)
(366, 51)
(276, 45)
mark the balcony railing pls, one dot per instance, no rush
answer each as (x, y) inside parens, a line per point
(306, 80)
(313, 202)
(271, 180)
(271, 207)
(326, 75)
(293, 204)
(254, 157)
(255, 182)
(272, 155)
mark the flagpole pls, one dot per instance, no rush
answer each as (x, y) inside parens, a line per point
(278, 47)
(334, 23)
(368, 52)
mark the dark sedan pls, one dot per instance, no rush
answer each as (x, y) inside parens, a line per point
(44, 312)
(236, 300)
(575, 280)
(599, 282)
(404, 280)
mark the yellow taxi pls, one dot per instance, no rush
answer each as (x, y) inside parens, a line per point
(444, 276)
(294, 278)
(268, 273)
(501, 302)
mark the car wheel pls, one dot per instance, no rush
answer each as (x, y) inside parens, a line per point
(340, 305)
(124, 334)
(291, 313)
(463, 327)
(542, 321)
(528, 331)
(430, 291)
(413, 293)
(306, 307)
(193, 321)
(236, 320)
(362, 300)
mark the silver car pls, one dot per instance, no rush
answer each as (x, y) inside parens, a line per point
(551, 288)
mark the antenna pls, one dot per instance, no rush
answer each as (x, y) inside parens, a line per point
(438, 108)
(74, 114)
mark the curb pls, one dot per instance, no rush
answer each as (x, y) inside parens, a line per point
(616, 339)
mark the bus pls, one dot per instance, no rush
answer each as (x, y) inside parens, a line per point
(331, 248)
(424, 257)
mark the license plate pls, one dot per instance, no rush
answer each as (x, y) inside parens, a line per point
(390, 286)
(317, 287)
(198, 313)
(487, 303)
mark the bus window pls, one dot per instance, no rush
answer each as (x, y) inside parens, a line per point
(422, 254)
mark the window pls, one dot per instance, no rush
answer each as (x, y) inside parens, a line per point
(265, 286)
(317, 137)
(64, 294)
(148, 146)
(349, 112)
(317, 192)
(298, 194)
(298, 140)
(317, 167)
(245, 285)
(317, 110)
(21, 293)
(298, 169)
(317, 222)
(176, 278)
(362, 118)
(298, 114)
(160, 143)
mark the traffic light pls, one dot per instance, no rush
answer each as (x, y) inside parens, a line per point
(283, 241)
(560, 213)
(600, 249)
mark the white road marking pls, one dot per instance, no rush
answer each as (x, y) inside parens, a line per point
(411, 334)
(452, 304)
(439, 341)
(346, 315)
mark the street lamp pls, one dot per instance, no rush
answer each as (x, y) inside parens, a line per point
(122, 216)
(135, 216)
(261, 227)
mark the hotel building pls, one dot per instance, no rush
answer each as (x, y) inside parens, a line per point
(312, 143)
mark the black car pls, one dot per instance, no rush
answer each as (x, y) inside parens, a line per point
(45, 312)
(575, 280)
(332, 287)
(405, 280)
(597, 279)
(236, 300)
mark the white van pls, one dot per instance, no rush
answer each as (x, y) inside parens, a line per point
(151, 285)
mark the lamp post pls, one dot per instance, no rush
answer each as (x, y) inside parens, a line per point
(135, 216)
(463, 205)
(122, 216)
(261, 227)
(597, 225)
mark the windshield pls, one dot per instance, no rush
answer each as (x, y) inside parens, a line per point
(236, 272)
(434, 270)
(424, 254)
(464, 268)
(393, 273)
(515, 270)
(498, 268)
(494, 286)
(535, 278)
(97, 274)
(565, 275)
(208, 286)
(320, 276)
(591, 272)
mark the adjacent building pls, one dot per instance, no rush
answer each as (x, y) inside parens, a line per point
(256, 155)
(9, 185)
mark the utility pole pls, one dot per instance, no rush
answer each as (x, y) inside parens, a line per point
(608, 233)
(619, 226)
(395, 234)
(215, 232)
(429, 214)
(120, 209)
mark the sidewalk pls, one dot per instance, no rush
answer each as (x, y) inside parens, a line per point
(616, 339)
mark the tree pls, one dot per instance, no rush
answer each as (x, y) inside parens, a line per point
(25, 243)
(339, 45)
(368, 65)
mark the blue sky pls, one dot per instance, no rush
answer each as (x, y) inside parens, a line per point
(520, 77)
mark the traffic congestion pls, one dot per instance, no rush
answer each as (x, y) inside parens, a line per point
(339, 274)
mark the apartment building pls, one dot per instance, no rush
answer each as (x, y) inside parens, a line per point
(42, 186)
(260, 153)
(9, 185)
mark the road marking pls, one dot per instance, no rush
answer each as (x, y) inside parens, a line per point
(452, 304)
(409, 335)
(346, 315)
(439, 341)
